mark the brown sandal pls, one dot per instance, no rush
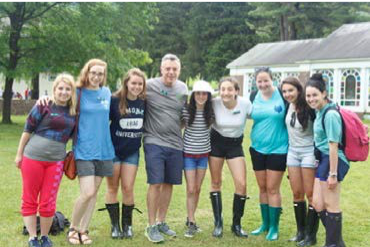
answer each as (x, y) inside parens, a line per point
(73, 237)
(84, 238)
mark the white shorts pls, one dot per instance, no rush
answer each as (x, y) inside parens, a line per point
(301, 157)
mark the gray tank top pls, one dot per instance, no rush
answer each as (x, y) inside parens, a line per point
(44, 149)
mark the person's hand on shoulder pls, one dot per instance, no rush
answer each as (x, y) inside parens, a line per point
(44, 100)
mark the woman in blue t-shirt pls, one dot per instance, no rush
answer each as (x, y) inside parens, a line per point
(127, 115)
(269, 146)
(332, 163)
(93, 149)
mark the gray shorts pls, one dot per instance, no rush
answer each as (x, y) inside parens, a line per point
(99, 168)
(301, 157)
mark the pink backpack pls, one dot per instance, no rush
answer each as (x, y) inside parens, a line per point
(355, 140)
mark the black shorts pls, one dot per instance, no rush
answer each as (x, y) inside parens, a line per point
(225, 147)
(274, 162)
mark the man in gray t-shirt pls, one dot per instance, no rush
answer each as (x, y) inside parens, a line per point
(163, 145)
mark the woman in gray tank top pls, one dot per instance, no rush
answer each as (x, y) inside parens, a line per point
(301, 160)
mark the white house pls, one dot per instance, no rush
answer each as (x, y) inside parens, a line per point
(343, 58)
(20, 85)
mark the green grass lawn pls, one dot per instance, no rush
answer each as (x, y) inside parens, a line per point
(355, 202)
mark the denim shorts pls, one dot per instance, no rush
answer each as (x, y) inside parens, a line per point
(301, 157)
(99, 168)
(132, 159)
(191, 163)
(322, 171)
(163, 164)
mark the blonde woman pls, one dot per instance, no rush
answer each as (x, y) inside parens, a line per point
(40, 157)
(127, 116)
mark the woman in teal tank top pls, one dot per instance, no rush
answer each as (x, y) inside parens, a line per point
(269, 146)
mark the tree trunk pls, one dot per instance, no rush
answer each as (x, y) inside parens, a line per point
(282, 31)
(16, 23)
(293, 31)
(284, 28)
(35, 87)
(7, 102)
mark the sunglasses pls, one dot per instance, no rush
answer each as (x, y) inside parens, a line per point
(262, 69)
(293, 118)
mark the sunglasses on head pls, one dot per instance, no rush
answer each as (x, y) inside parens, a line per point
(262, 69)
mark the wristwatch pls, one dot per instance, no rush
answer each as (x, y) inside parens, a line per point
(333, 174)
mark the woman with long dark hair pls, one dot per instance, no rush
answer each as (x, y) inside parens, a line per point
(332, 163)
(301, 160)
(197, 117)
(127, 116)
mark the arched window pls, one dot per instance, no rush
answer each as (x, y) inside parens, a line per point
(328, 75)
(350, 87)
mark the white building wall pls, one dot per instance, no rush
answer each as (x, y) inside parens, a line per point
(20, 85)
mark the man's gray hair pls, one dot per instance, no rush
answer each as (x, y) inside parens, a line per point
(171, 57)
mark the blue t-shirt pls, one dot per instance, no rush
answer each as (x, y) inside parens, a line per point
(93, 137)
(333, 127)
(126, 131)
(269, 134)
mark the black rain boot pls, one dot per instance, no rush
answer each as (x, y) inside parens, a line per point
(322, 215)
(113, 210)
(127, 221)
(238, 212)
(312, 227)
(217, 213)
(300, 209)
(334, 230)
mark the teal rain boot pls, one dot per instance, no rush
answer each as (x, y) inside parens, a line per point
(274, 214)
(265, 220)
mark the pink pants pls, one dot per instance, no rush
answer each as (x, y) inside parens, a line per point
(41, 181)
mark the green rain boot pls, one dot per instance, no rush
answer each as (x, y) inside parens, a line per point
(274, 214)
(265, 220)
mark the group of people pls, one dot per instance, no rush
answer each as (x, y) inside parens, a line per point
(111, 127)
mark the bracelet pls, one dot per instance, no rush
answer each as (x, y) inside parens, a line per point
(333, 174)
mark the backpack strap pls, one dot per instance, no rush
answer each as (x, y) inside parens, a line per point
(252, 96)
(335, 108)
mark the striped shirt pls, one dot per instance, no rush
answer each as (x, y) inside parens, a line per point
(196, 136)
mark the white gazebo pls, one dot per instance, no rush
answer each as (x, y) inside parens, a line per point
(343, 58)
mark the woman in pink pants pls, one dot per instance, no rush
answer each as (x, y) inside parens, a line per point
(40, 157)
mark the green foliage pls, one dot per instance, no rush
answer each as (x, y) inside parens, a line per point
(206, 36)
(305, 20)
(74, 33)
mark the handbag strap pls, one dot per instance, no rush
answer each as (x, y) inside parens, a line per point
(77, 117)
